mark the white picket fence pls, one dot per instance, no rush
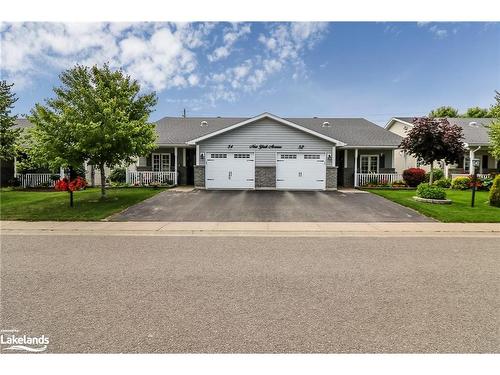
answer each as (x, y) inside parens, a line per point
(479, 175)
(147, 177)
(35, 179)
(374, 178)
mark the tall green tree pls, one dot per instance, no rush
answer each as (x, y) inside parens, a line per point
(494, 128)
(495, 108)
(8, 134)
(434, 139)
(99, 115)
(476, 112)
(444, 111)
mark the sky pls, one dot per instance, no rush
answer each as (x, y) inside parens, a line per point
(374, 70)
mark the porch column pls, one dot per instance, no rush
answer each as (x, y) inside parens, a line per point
(175, 165)
(355, 167)
(184, 157)
(61, 172)
(334, 156)
(471, 156)
(197, 154)
(345, 158)
(15, 167)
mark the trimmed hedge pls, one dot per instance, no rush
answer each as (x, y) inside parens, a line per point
(443, 183)
(461, 183)
(427, 191)
(414, 176)
(118, 175)
(495, 192)
(438, 174)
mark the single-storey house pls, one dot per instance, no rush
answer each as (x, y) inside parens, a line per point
(476, 139)
(266, 152)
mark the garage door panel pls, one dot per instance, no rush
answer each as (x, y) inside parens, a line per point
(230, 171)
(301, 171)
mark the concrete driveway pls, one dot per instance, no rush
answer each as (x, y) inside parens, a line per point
(268, 206)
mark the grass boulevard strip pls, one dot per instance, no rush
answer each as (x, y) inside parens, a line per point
(459, 211)
(36, 205)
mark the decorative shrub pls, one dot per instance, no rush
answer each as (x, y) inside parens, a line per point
(399, 183)
(66, 185)
(414, 176)
(443, 183)
(14, 182)
(461, 183)
(118, 175)
(486, 184)
(427, 191)
(438, 175)
(495, 192)
(54, 177)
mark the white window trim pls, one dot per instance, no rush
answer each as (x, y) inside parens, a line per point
(160, 156)
(369, 156)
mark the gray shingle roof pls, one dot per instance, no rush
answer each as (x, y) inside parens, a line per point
(352, 131)
(472, 134)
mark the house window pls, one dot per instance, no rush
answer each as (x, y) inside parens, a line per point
(161, 162)
(369, 163)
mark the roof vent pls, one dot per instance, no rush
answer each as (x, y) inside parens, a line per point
(473, 124)
(204, 123)
(326, 124)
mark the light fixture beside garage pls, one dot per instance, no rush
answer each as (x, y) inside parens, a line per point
(202, 155)
(329, 156)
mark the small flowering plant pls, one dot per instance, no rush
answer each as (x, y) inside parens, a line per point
(70, 186)
(74, 185)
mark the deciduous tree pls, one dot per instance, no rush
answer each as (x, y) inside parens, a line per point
(8, 134)
(99, 115)
(476, 112)
(434, 139)
(444, 111)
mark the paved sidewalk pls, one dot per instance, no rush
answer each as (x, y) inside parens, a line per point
(250, 228)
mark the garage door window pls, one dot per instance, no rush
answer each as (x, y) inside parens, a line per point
(306, 156)
(218, 156)
(369, 163)
(288, 156)
(242, 156)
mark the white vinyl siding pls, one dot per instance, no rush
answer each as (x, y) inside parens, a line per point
(266, 132)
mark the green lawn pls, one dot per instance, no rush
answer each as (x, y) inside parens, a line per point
(459, 211)
(38, 205)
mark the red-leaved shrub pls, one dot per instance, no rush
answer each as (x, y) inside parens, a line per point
(65, 185)
(414, 176)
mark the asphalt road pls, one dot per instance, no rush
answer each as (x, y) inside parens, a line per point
(250, 294)
(268, 206)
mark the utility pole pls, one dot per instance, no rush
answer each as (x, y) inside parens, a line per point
(184, 113)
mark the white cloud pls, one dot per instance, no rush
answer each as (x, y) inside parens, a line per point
(157, 55)
(231, 35)
(438, 30)
(162, 55)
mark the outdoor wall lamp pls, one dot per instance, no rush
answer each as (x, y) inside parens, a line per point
(202, 156)
(329, 156)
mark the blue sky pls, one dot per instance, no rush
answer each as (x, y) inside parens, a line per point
(374, 70)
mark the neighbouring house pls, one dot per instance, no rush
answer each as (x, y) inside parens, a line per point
(476, 141)
(265, 152)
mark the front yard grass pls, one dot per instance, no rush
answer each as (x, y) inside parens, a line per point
(42, 205)
(459, 211)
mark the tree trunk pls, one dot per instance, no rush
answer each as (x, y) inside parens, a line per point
(92, 175)
(431, 175)
(103, 181)
(70, 198)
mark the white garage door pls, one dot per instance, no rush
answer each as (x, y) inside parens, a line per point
(227, 170)
(300, 171)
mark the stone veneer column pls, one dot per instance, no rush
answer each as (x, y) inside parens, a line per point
(199, 176)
